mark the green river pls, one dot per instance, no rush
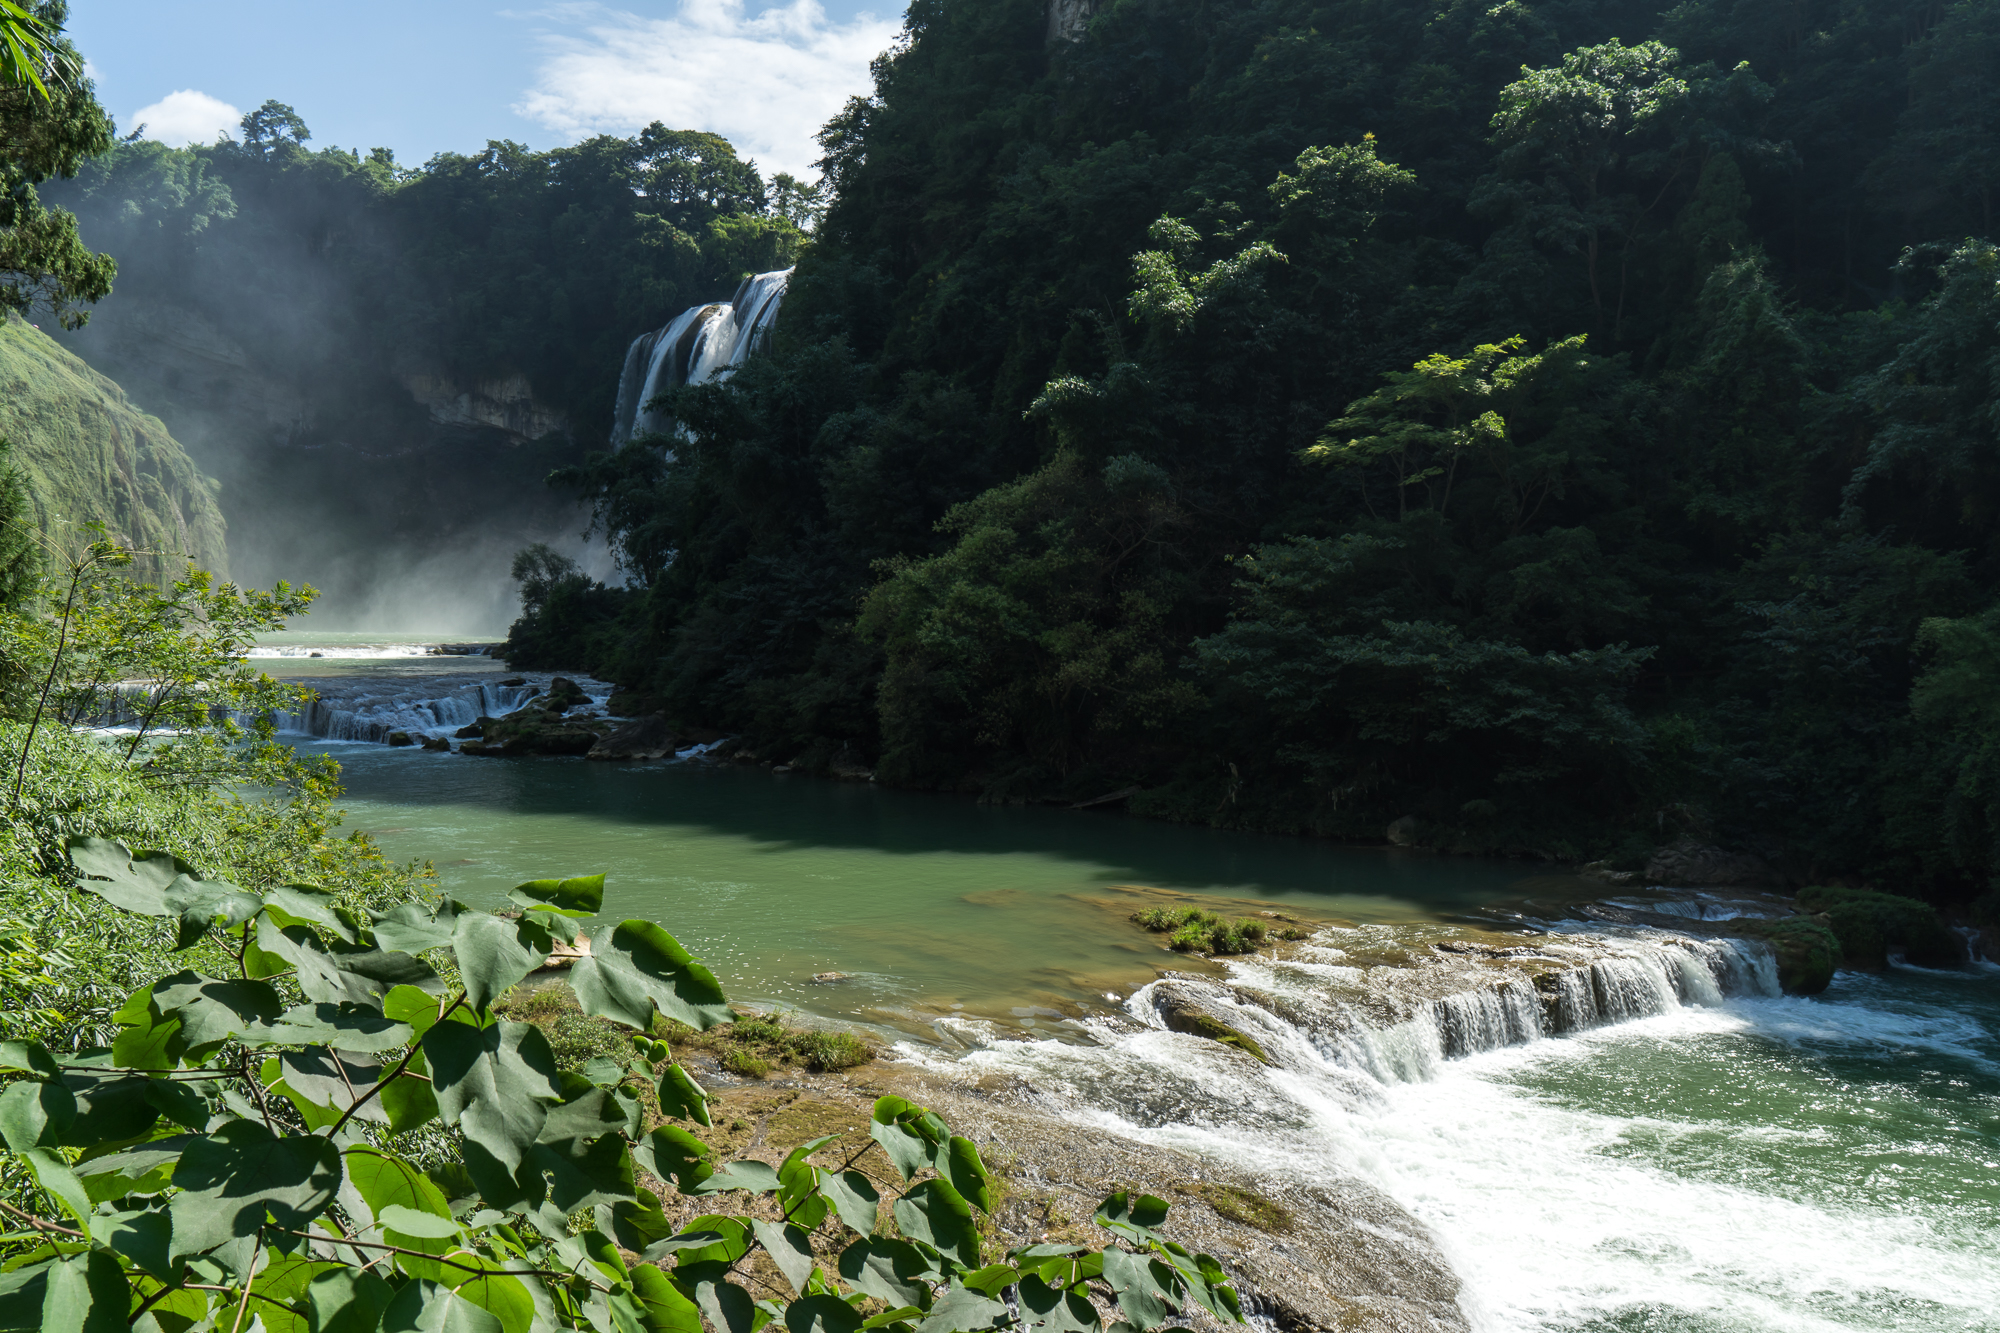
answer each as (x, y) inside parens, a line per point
(1733, 1164)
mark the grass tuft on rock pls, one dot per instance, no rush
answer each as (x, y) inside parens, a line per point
(1871, 924)
(1193, 930)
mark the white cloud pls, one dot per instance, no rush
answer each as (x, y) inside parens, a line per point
(765, 82)
(186, 117)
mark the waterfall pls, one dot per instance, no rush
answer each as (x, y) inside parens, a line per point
(702, 343)
(372, 712)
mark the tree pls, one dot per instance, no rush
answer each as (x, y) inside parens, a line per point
(240, 1147)
(29, 53)
(273, 126)
(48, 128)
(20, 540)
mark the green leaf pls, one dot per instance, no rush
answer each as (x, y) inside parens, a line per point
(110, 1109)
(34, 1115)
(662, 1308)
(853, 1197)
(790, 1249)
(410, 929)
(53, 1174)
(641, 966)
(231, 1179)
(29, 1057)
(179, 1102)
(992, 1279)
(637, 1223)
(412, 1222)
(888, 1269)
(306, 903)
(348, 1300)
(424, 1306)
(733, 1244)
(386, 1181)
(728, 1308)
(407, 1099)
(202, 904)
(412, 1005)
(909, 1134)
(583, 896)
(501, 1295)
(757, 1177)
(1132, 1218)
(939, 1216)
(678, 1242)
(142, 1235)
(959, 1163)
(962, 1310)
(145, 1169)
(349, 1027)
(681, 1095)
(135, 881)
(671, 1153)
(333, 1078)
(1053, 1310)
(87, 1293)
(821, 1314)
(495, 954)
(213, 1010)
(1142, 1285)
(495, 1082)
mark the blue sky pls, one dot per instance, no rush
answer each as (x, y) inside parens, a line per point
(424, 76)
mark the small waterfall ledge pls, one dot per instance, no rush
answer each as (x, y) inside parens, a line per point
(369, 710)
(702, 343)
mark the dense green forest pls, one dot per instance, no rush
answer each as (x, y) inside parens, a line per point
(1569, 425)
(307, 322)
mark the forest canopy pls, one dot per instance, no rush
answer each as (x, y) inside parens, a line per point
(1570, 426)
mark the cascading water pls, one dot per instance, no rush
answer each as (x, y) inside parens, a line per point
(703, 343)
(370, 712)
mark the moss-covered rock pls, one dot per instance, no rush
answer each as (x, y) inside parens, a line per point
(1807, 951)
(89, 454)
(1871, 925)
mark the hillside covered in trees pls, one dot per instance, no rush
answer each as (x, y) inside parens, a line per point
(381, 363)
(1569, 425)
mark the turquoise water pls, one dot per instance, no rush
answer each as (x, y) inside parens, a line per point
(926, 902)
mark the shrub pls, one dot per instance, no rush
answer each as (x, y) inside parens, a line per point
(1192, 930)
(1870, 924)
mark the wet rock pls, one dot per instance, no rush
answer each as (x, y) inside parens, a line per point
(829, 978)
(515, 681)
(1182, 1010)
(1807, 951)
(437, 743)
(535, 730)
(1692, 864)
(474, 747)
(1870, 926)
(646, 738)
(401, 738)
(476, 729)
(565, 693)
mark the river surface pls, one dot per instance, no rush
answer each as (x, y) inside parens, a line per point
(1730, 1163)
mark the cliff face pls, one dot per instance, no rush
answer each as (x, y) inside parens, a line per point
(90, 454)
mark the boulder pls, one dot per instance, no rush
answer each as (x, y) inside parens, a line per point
(1180, 1007)
(515, 681)
(1807, 951)
(476, 729)
(1871, 925)
(475, 747)
(401, 738)
(565, 693)
(437, 743)
(1691, 864)
(537, 730)
(646, 738)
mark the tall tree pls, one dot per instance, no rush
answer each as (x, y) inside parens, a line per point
(48, 127)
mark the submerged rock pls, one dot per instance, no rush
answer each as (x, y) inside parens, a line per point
(1182, 1010)
(437, 743)
(401, 738)
(647, 738)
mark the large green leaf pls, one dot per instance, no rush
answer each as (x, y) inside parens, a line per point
(213, 1010)
(888, 1269)
(29, 1057)
(1132, 1216)
(853, 1197)
(909, 1134)
(494, 954)
(202, 904)
(582, 896)
(423, 1306)
(135, 881)
(501, 1295)
(384, 1180)
(306, 903)
(662, 1308)
(821, 1314)
(495, 1082)
(958, 1162)
(681, 1095)
(641, 966)
(939, 1216)
(35, 1115)
(412, 929)
(671, 1153)
(231, 1179)
(143, 1236)
(347, 1027)
(1143, 1286)
(1047, 1309)
(87, 1293)
(790, 1249)
(348, 1300)
(337, 1079)
(110, 1108)
(407, 1099)
(733, 1242)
